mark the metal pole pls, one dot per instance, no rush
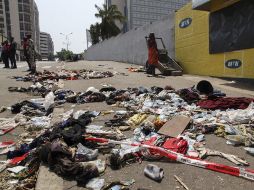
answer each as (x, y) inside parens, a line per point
(86, 39)
(66, 38)
(2, 35)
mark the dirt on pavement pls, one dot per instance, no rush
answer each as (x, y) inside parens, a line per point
(194, 178)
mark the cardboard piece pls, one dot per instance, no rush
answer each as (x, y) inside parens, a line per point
(175, 126)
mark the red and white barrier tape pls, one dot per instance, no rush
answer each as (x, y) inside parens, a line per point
(235, 171)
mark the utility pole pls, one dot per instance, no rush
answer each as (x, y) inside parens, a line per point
(67, 40)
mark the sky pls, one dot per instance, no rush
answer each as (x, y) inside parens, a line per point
(67, 16)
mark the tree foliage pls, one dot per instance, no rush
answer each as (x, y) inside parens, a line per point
(65, 55)
(95, 32)
(107, 28)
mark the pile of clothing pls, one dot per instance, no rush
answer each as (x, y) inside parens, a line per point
(67, 146)
(65, 75)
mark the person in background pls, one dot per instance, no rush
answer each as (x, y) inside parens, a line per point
(153, 55)
(5, 54)
(12, 53)
(31, 54)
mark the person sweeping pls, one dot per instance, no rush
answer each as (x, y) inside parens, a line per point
(153, 55)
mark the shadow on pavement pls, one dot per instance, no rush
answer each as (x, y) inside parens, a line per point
(246, 84)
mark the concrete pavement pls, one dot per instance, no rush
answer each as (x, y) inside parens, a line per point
(194, 178)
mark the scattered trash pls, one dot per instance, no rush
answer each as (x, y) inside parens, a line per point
(235, 171)
(205, 87)
(3, 109)
(13, 182)
(7, 149)
(165, 123)
(65, 75)
(139, 69)
(205, 152)
(85, 154)
(250, 150)
(200, 138)
(119, 184)
(7, 144)
(175, 126)
(154, 172)
(181, 182)
(95, 184)
(124, 128)
(16, 169)
(40, 122)
(101, 165)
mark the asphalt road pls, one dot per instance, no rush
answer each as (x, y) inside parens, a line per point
(194, 178)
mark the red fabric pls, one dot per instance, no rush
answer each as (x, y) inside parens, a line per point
(6, 47)
(151, 141)
(153, 56)
(4, 131)
(225, 103)
(6, 144)
(178, 145)
(17, 160)
(25, 44)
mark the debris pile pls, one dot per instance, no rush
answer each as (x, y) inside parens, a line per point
(65, 75)
(165, 123)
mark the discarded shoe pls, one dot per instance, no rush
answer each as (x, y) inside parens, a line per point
(154, 172)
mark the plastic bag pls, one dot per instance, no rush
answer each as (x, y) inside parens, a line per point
(49, 100)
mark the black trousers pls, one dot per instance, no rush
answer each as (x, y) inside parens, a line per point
(150, 69)
(28, 61)
(13, 60)
(6, 61)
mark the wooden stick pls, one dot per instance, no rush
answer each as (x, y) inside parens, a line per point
(181, 182)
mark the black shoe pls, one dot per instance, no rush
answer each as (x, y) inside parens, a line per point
(28, 70)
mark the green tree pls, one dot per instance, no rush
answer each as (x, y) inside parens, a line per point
(65, 55)
(95, 32)
(109, 15)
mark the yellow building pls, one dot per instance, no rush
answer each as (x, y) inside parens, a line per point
(193, 45)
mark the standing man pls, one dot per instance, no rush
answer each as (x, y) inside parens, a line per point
(31, 54)
(13, 49)
(153, 55)
(5, 54)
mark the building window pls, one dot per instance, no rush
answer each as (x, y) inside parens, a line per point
(27, 18)
(26, 8)
(22, 26)
(21, 8)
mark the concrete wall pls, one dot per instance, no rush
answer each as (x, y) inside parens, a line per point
(131, 47)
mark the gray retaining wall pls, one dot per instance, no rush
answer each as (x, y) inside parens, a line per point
(131, 47)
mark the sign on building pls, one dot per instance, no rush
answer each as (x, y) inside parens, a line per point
(198, 3)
